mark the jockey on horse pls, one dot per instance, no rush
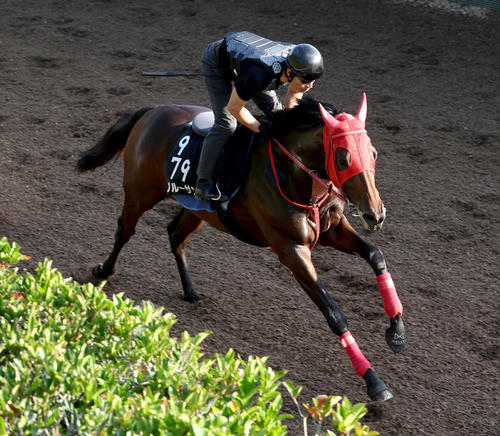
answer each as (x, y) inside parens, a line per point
(257, 67)
(290, 200)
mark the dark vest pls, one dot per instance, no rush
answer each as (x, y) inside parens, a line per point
(246, 45)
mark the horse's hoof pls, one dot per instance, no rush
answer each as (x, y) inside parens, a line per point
(192, 296)
(376, 388)
(382, 396)
(98, 272)
(395, 335)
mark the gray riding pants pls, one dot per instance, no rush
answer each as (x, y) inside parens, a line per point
(219, 90)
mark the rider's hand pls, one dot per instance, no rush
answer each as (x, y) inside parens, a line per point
(266, 129)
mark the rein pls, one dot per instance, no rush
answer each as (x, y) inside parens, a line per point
(330, 188)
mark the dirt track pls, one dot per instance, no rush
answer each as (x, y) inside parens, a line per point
(432, 83)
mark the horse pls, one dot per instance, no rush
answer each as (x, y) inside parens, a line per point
(293, 196)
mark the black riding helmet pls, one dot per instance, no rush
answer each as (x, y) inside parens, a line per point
(305, 61)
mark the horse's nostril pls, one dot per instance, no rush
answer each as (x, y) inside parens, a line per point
(370, 218)
(373, 220)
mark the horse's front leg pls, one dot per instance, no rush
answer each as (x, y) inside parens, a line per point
(344, 238)
(298, 259)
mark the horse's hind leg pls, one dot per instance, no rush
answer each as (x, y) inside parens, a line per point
(179, 231)
(344, 238)
(126, 228)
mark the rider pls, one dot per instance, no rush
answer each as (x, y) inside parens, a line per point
(256, 66)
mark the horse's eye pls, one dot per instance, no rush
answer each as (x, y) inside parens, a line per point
(342, 158)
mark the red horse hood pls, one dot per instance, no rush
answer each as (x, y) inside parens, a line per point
(347, 131)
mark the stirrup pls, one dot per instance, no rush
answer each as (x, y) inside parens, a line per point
(204, 191)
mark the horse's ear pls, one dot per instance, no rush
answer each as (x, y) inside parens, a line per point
(328, 118)
(362, 109)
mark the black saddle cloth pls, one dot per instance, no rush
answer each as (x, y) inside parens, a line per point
(231, 171)
(231, 168)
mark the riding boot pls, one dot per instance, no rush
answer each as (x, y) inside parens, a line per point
(207, 190)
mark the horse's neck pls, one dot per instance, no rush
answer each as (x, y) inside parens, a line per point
(295, 179)
(307, 147)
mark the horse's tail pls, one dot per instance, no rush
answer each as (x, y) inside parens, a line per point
(111, 143)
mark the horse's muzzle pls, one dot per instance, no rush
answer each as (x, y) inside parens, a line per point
(372, 220)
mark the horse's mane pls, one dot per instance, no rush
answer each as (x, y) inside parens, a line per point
(305, 114)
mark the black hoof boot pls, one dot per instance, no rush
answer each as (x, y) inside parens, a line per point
(395, 335)
(376, 388)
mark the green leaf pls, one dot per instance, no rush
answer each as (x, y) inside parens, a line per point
(10, 254)
(293, 390)
(196, 430)
(3, 432)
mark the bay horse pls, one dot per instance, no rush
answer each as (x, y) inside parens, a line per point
(292, 198)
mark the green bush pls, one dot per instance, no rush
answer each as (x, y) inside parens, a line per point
(73, 361)
(345, 417)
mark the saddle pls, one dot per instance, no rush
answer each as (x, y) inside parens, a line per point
(231, 170)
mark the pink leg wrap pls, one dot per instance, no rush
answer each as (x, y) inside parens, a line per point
(359, 361)
(392, 305)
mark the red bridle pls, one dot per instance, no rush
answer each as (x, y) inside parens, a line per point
(345, 131)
